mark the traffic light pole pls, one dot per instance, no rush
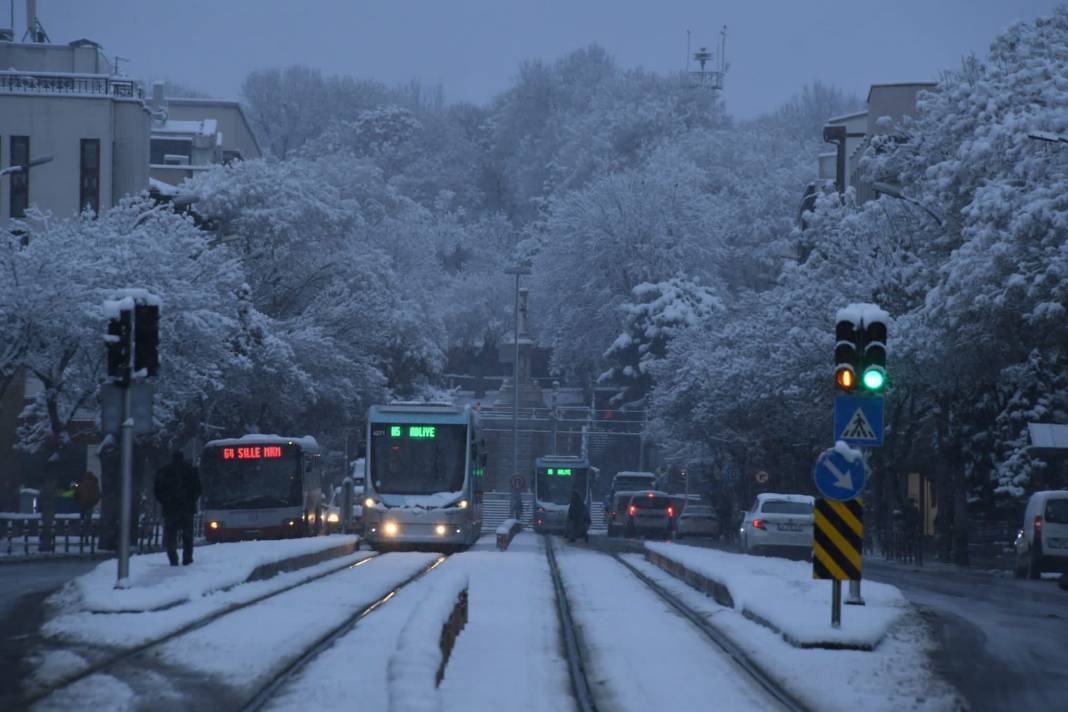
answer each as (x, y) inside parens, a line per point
(127, 489)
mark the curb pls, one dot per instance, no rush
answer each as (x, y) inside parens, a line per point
(718, 592)
(293, 563)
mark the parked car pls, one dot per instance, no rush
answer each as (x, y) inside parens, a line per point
(649, 512)
(778, 524)
(1042, 543)
(697, 520)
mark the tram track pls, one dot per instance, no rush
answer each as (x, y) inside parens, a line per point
(576, 666)
(262, 697)
(109, 663)
(742, 659)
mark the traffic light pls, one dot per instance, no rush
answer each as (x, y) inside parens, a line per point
(873, 376)
(118, 340)
(846, 354)
(146, 338)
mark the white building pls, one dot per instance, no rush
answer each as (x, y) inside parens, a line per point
(66, 101)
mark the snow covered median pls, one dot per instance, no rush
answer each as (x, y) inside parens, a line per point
(416, 666)
(155, 584)
(783, 595)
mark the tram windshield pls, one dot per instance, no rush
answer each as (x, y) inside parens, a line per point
(554, 484)
(251, 477)
(418, 459)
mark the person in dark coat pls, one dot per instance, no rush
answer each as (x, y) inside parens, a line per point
(578, 519)
(88, 495)
(177, 488)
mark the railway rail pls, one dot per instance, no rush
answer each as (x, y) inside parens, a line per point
(576, 667)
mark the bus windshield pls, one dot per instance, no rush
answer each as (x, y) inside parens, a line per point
(554, 484)
(418, 459)
(251, 477)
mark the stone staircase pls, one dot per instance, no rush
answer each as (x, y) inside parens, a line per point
(496, 507)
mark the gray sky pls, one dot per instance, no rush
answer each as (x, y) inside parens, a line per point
(474, 46)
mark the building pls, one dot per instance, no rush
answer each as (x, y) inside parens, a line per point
(190, 135)
(888, 105)
(65, 101)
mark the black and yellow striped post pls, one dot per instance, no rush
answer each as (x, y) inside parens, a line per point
(837, 538)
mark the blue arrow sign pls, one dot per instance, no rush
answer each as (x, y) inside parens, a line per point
(840, 474)
(858, 420)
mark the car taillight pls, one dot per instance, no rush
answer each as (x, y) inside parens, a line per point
(760, 524)
(1038, 522)
(671, 512)
(632, 510)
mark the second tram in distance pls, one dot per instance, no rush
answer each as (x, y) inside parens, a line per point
(555, 478)
(420, 486)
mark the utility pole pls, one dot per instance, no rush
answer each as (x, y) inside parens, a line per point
(518, 271)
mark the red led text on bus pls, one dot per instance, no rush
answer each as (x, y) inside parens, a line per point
(255, 452)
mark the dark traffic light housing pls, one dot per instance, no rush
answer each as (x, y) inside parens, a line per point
(860, 348)
(146, 339)
(119, 341)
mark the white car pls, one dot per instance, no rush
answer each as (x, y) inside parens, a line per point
(778, 524)
(697, 520)
(1042, 544)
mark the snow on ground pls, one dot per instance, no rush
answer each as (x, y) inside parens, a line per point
(71, 626)
(508, 657)
(641, 655)
(503, 659)
(895, 676)
(239, 652)
(784, 594)
(155, 584)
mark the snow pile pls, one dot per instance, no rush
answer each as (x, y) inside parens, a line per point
(782, 595)
(413, 667)
(506, 527)
(847, 452)
(155, 584)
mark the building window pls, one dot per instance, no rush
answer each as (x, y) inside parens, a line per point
(89, 193)
(171, 151)
(20, 181)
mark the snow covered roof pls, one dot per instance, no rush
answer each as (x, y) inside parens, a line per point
(222, 103)
(161, 187)
(847, 117)
(306, 442)
(203, 127)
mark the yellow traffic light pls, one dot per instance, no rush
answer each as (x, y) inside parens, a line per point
(845, 377)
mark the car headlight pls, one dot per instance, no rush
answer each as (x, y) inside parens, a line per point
(369, 502)
(462, 504)
(333, 518)
(390, 528)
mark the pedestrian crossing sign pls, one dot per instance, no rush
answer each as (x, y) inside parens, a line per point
(858, 420)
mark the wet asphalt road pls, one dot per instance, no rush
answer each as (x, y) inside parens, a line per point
(1003, 642)
(23, 589)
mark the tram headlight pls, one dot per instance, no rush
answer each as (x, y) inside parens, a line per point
(390, 529)
(333, 518)
(440, 529)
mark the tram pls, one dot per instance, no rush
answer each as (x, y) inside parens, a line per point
(420, 490)
(261, 487)
(555, 478)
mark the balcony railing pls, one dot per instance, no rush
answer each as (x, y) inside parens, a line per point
(61, 84)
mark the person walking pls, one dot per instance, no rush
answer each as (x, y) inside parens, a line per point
(177, 488)
(578, 518)
(88, 495)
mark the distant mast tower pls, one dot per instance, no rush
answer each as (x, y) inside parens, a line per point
(712, 66)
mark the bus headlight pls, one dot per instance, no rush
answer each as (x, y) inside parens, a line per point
(369, 502)
(390, 528)
(213, 524)
(440, 530)
(333, 518)
(462, 504)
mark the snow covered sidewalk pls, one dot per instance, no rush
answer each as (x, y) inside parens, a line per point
(783, 596)
(155, 584)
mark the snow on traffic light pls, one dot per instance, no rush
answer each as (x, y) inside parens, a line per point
(860, 348)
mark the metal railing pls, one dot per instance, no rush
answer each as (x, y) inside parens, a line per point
(21, 534)
(57, 83)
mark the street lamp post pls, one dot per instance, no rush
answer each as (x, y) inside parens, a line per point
(518, 271)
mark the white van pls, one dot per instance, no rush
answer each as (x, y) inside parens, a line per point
(1042, 544)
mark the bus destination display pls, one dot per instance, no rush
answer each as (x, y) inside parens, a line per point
(252, 452)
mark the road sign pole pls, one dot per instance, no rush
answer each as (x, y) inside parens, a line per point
(836, 604)
(127, 490)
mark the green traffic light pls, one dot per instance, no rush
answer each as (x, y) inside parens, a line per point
(874, 379)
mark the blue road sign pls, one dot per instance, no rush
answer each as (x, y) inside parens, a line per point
(858, 420)
(840, 475)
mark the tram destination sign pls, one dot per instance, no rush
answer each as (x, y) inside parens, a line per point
(415, 432)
